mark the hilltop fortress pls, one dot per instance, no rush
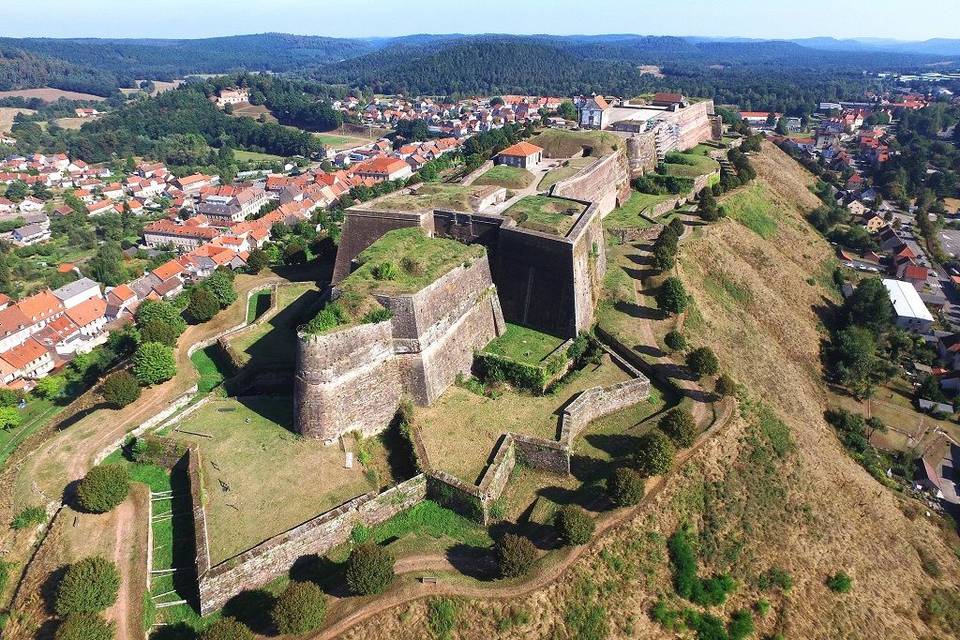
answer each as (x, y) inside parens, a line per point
(536, 259)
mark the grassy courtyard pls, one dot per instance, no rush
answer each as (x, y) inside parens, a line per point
(545, 214)
(568, 169)
(427, 198)
(260, 478)
(273, 342)
(524, 344)
(558, 143)
(628, 216)
(504, 176)
(461, 428)
(689, 165)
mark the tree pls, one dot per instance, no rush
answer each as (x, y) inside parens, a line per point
(154, 363)
(203, 304)
(9, 397)
(574, 525)
(840, 582)
(679, 424)
(664, 257)
(227, 629)
(675, 341)
(856, 363)
(725, 386)
(152, 310)
(703, 362)
(369, 569)
(655, 453)
(120, 389)
(869, 306)
(295, 251)
(88, 586)
(515, 555)
(221, 285)
(85, 626)
(103, 488)
(106, 265)
(672, 297)
(160, 331)
(257, 261)
(567, 111)
(50, 387)
(10, 418)
(625, 487)
(301, 608)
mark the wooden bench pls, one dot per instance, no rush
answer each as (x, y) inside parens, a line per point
(429, 580)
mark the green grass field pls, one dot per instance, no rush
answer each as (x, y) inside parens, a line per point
(524, 344)
(339, 142)
(253, 156)
(545, 213)
(567, 170)
(273, 342)
(689, 165)
(558, 143)
(628, 215)
(752, 207)
(504, 176)
(427, 198)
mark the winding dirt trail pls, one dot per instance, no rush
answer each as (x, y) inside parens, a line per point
(437, 562)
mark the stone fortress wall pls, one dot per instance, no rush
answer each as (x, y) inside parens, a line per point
(352, 379)
(605, 182)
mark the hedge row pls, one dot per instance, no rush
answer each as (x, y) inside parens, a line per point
(523, 375)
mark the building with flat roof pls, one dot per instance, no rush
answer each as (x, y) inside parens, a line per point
(909, 309)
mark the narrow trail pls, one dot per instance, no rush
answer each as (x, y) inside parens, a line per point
(438, 562)
(122, 552)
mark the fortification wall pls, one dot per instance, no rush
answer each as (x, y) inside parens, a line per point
(346, 380)
(270, 558)
(641, 153)
(361, 228)
(546, 455)
(598, 402)
(589, 265)
(469, 228)
(694, 123)
(606, 182)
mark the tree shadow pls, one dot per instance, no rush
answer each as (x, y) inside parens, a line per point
(674, 371)
(49, 587)
(48, 629)
(400, 456)
(322, 571)
(474, 562)
(650, 350)
(73, 419)
(636, 311)
(178, 631)
(616, 445)
(252, 608)
(639, 274)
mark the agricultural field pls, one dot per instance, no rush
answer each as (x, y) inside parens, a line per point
(505, 176)
(273, 342)
(49, 95)
(238, 436)
(72, 123)
(557, 143)
(7, 114)
(246, 110)
(253, 156)
(545, 213)
(568, 169)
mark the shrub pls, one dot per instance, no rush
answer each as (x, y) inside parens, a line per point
(9, 397)
(85, 626)
(775, 577)
(377, 315)
(29, 517)
(203, 304)
(50, 387)
(442, 617)
(103, 488)
(725, 386)
(88, 586)
(332, 315)
(672, 297)
(160, 331)
(655, 453)
(675, 341)
(120, 389)
(369, 569)
(159, 310)
(741, 625)
(384, 271)
(840, 582)
(574, 525)
(680, 426)
(360, 533)
(153, 363)
(703, 361)
(515, 555)
(227, 629)
(688, 584)
(301, 608)
(625, 487)
(220, 285)
(4, 574)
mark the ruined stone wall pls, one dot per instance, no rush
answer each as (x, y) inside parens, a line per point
(270, 558)
(606, 182)
(361, 228)
(601, 401)
(346, 380)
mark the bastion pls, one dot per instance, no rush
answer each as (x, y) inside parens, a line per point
(408, 330)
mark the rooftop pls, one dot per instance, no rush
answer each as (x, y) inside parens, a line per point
(906, 301)
(546, 214)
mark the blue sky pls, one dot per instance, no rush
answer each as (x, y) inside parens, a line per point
(901, 19)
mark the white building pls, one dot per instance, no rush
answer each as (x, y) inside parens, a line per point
(77, 292)
(911, 313)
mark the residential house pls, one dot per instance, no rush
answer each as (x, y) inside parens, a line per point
(77, 292)
(121, 300)
(89, 316)
(383, 168)
(15, 327)
(523, 155)
(593, 112)
(910, 312)
(29, 361)
(30, 205)
(938, 468)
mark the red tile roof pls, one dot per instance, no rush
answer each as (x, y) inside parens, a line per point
(20, 357)
(521, 150)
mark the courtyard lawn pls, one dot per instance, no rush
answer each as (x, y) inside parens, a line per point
(212, 372)
(427, 198)
(545, 214)
(460, 430)
(273, 342)
(504, 176)
(258, 304)
(628, 215)
(524, 344)
(569, 169)
(260, 478)
(689, 165)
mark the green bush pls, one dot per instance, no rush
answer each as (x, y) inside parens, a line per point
(154, 363)
(672, 297)
(159, 310)
(442, 617)
(680, 426)
(741, 625)
(103, 488)
(332, 315)
(675, 341)
(369, 569)
(120, 389)
(301, 608)
(703, 362)
(515, 555)
(725, 386)
(162, 452)
(160, 331)
(775, 577)
(625, 487)
(384, 271)
(377, 315)
(88, 586)
(574, 525)
(203, 304)
(29, 517)
(495, 368)
(840, 582)
(655, 453)
(220, 285)
(4, 574)
(85, 626)
(227, 629)
(686, 582)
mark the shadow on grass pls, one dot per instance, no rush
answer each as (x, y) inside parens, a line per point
(252, 608)
(277, 346)
(48, 590)
(636, 311)
(178, 631)
(275, 408)
(73, 419)
(474, 562)
(322, 571)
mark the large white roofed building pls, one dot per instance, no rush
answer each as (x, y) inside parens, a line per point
(911, 313)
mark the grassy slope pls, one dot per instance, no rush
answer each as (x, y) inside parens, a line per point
(813, 514)
(504, 176)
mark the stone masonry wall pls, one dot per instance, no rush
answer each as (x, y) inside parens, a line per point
(589, 265)
(361, 228)
(537, 453)
(270, 558)
(602, 182)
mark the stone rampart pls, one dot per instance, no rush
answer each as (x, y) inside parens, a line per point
(598, 402)
(606, 183)
(362, 227)
(272, 557)
(589, 266)
(538, 453)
